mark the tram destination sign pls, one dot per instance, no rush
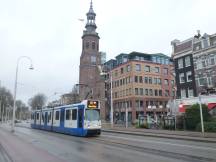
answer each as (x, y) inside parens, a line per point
(92, 104)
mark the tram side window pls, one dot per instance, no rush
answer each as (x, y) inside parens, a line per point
(57, 115)
(74, 114)
(67, 115)
(37, 116)
(43, 117)
(49, 117)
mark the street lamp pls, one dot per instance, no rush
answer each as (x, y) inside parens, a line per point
(15, 87)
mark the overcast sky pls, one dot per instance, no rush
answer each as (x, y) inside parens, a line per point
(50, 33)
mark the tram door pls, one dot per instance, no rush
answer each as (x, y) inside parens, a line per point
(80, 118)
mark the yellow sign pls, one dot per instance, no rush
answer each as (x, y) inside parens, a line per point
(92, 104)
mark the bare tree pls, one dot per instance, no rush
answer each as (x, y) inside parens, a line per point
(6, 101)
(21, 110)
(38, 101)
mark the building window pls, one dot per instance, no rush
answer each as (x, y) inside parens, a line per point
(93, 59)
(156, 92)
(87, 45)
(209, 81)
(146, 80)
(166, 93)
(160, 92)
(190, 93)
(172, 82)
(166, 81)
(141, 91)
(159, 81)
(140, 79)
(136, 91)
(150, 92)
(189, 76)
(155, 80)
(150, 80)
(197, 48)
(183, 93)
(202, 81)
(116, 73)
(115, 95)
(122, 70)
(138, 67)
(146, 92)
(181, 77)
(172, 93)
(120, 82)
(167, 61)
(147, 68)
(187, 61)
(180, 63)
(93, 45)
(165, 71)
(128, 68)
(211, 60)
(124, 59)
(136, 79)
(203, 63)
(157, 70)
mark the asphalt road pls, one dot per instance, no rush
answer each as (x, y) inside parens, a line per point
(113, 147)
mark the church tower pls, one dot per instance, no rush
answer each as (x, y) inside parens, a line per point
(89, 76)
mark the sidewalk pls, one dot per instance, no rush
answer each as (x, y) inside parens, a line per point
(18, 150)
(182, 135)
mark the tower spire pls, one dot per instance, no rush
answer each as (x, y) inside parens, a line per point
(90, 25)
(91, 6)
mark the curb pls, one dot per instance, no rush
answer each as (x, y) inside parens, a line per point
(201, 139)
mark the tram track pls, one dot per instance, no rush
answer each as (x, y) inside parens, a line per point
(123, 145)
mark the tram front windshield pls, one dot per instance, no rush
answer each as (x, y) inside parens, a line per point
(92, 114)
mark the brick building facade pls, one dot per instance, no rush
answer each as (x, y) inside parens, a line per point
(91, 85)
(141, 83)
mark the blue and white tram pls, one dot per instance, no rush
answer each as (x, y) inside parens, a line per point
(81, 119)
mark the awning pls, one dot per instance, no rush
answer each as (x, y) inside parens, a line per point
(211, 106)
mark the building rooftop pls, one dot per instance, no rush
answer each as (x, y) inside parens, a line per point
(138, 56)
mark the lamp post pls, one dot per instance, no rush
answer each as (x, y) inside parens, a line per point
(201, 114)
(111, 101)
(15, 86)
